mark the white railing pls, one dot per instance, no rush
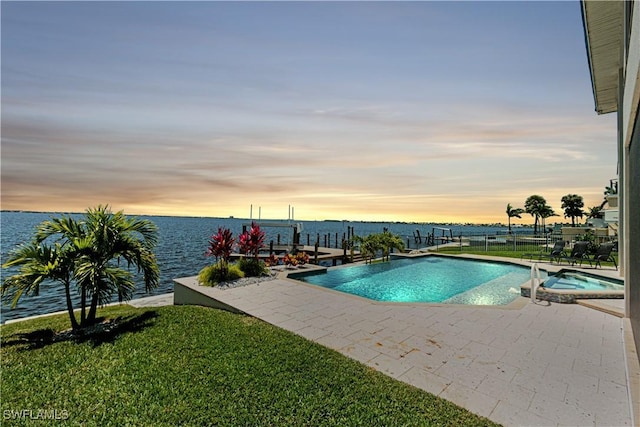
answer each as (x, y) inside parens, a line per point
(535, 280)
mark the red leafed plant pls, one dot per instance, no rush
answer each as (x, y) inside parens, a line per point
(302, 258)
(221, 246)
(251, 241)
(272, 261)
(290, 260)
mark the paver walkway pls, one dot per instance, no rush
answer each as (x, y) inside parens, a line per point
(537, 365)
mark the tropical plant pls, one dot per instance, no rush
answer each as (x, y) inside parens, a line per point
(250, 242)
(39, 263)
(99, 242)
(368, 246)
(513, 213)
(302, 258)
(546, 212)
(290, 260)
(595, 212)
(390, 242)
(535, 205)
(87, 252)
(213, 274)
(572, 205)
(611, 189)
(252, 267)
(272, 260)
(383, 242)
(590, 237)
(220, 247)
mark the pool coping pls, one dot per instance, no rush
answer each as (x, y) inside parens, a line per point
(568, 296)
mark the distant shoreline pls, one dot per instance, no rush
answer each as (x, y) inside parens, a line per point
(460, 224)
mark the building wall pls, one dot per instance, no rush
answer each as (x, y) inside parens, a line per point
(631, 93)
(632, 273)
(630, 122)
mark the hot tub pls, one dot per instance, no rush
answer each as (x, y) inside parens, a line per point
(567, 286)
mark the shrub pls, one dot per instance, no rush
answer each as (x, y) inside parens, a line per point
(211, 275)
(302, 258)
(290, 260)
(590, 237)
(252, 267)
(272, 261)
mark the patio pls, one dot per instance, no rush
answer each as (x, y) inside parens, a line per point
(528, 364)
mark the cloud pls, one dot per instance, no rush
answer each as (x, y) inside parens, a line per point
(352, 113)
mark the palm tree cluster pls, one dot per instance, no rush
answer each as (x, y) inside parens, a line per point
(538, 208)
(572, 205)
(85, 254)
(383, 242)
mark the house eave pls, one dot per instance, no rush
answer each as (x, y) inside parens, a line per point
(603, 23)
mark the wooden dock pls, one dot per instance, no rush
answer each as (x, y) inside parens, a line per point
(324, 255)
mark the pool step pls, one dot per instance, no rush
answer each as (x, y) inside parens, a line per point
(603, 306)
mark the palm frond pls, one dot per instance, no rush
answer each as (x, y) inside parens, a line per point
(37, 263)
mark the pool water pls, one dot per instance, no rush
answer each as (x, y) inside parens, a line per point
(431, 279)
(582, 281)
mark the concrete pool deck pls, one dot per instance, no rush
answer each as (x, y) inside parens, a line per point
(543, 364)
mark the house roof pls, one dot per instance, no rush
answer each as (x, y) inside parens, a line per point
(603, 23)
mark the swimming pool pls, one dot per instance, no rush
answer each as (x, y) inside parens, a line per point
(428, 279)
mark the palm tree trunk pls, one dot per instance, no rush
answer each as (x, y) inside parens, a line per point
(83, 306)
(72, 316)
(91, 318)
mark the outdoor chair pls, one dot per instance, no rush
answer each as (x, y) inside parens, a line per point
(578, 253)
(556, 252)
(604, 254)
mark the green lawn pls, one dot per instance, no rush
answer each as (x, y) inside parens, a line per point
(186, 365)
(501, 252)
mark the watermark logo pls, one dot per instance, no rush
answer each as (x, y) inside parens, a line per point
(35, 414)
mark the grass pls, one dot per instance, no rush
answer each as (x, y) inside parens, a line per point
(187, 365)
(500, 252)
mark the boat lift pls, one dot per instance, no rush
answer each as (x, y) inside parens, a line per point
(431, 239)
(293, 234)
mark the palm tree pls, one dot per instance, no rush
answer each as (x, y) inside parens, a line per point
(384, 242)
(389, 242)
(545, 213)
(39, 263)
(368, 246)
(572, 205)
(513, 213)
(595, 212)
(68, 233)
(92, 249)
(535, 205)
(109, 238)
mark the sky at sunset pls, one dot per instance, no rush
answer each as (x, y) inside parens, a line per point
(389, 111)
